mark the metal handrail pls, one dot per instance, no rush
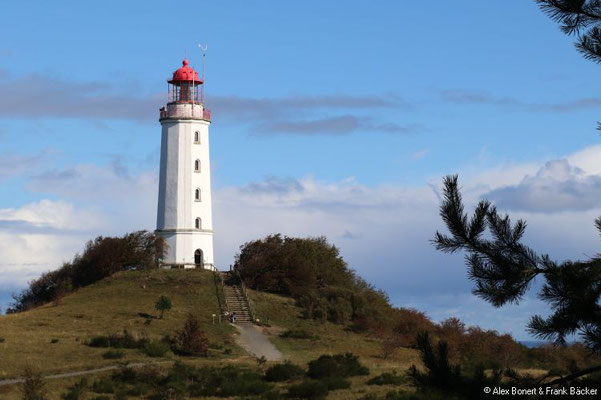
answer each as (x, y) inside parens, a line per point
(245, 294)
(222, 307)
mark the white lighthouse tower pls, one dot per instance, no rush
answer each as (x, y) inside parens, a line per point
(184, 217)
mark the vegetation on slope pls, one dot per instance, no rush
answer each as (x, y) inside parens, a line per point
(101, 258)
(53, 337)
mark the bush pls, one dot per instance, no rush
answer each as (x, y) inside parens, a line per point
(223, 382)
(336, 383)
(387, 378)
(127, 340)
(339, 365)
(33, 385)
(155, 349)
(52, 341)
(309, 389)
(99, 341)
(191, 340)
(2, 340)
(297, 334)
(113, 354)
(283, 372)
(104, 385)
(76, 391)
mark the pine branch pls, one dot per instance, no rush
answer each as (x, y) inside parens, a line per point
(589, 44)
(575, 375)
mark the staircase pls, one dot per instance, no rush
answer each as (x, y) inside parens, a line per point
(236, 303)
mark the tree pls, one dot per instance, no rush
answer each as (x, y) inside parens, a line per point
(503, 269)
(163, 304)
(581, 18)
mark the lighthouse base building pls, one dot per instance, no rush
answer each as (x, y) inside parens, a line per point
(184, 216)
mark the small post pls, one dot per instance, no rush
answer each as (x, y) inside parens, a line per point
(213, 319)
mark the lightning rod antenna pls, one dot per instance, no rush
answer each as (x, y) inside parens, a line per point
(202, 87)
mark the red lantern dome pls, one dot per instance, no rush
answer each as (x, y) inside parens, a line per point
(185, 74)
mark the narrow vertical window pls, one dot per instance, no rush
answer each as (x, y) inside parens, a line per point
(197, 195)
(197, 166)
(197, 137)
(198, 223)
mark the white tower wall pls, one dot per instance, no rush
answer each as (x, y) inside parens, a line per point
(178, 207)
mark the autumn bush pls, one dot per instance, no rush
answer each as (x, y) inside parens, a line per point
(191, 339)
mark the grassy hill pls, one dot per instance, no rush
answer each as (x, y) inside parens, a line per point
(52, 337)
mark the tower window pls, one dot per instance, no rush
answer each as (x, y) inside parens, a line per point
(197, 195)
(197, 166)
(197, 137)
(198, 224)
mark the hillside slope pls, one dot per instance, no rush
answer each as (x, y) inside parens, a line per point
(52, 337)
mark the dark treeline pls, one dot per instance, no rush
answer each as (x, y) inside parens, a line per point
(100, 258)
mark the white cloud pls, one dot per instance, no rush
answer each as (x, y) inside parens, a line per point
(39, 236)
(556, 186)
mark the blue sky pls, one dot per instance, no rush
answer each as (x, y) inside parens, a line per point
(327, 120)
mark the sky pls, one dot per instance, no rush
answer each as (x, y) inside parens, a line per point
(328, 119)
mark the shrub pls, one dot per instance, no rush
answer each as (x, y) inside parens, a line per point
(33, 385)
(76, 391)
(271, 395)
(387, 378)
(339, 365)
(2, 340)
(297, 334)
(283, 372)
(53, 340)
(113, 354)
(336, 383)
(137, 390)
(127, 340)
(191, 340)
(99, 341)
(104, 385)
(223, 382)
(155, 349)
(308, 389)
(409, 323)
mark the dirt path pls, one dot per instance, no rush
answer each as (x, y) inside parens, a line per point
(79, 373)
(255, 341)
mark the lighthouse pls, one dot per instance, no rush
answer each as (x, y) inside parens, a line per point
(184, 216)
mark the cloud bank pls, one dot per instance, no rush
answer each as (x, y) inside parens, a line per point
(40, 96)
